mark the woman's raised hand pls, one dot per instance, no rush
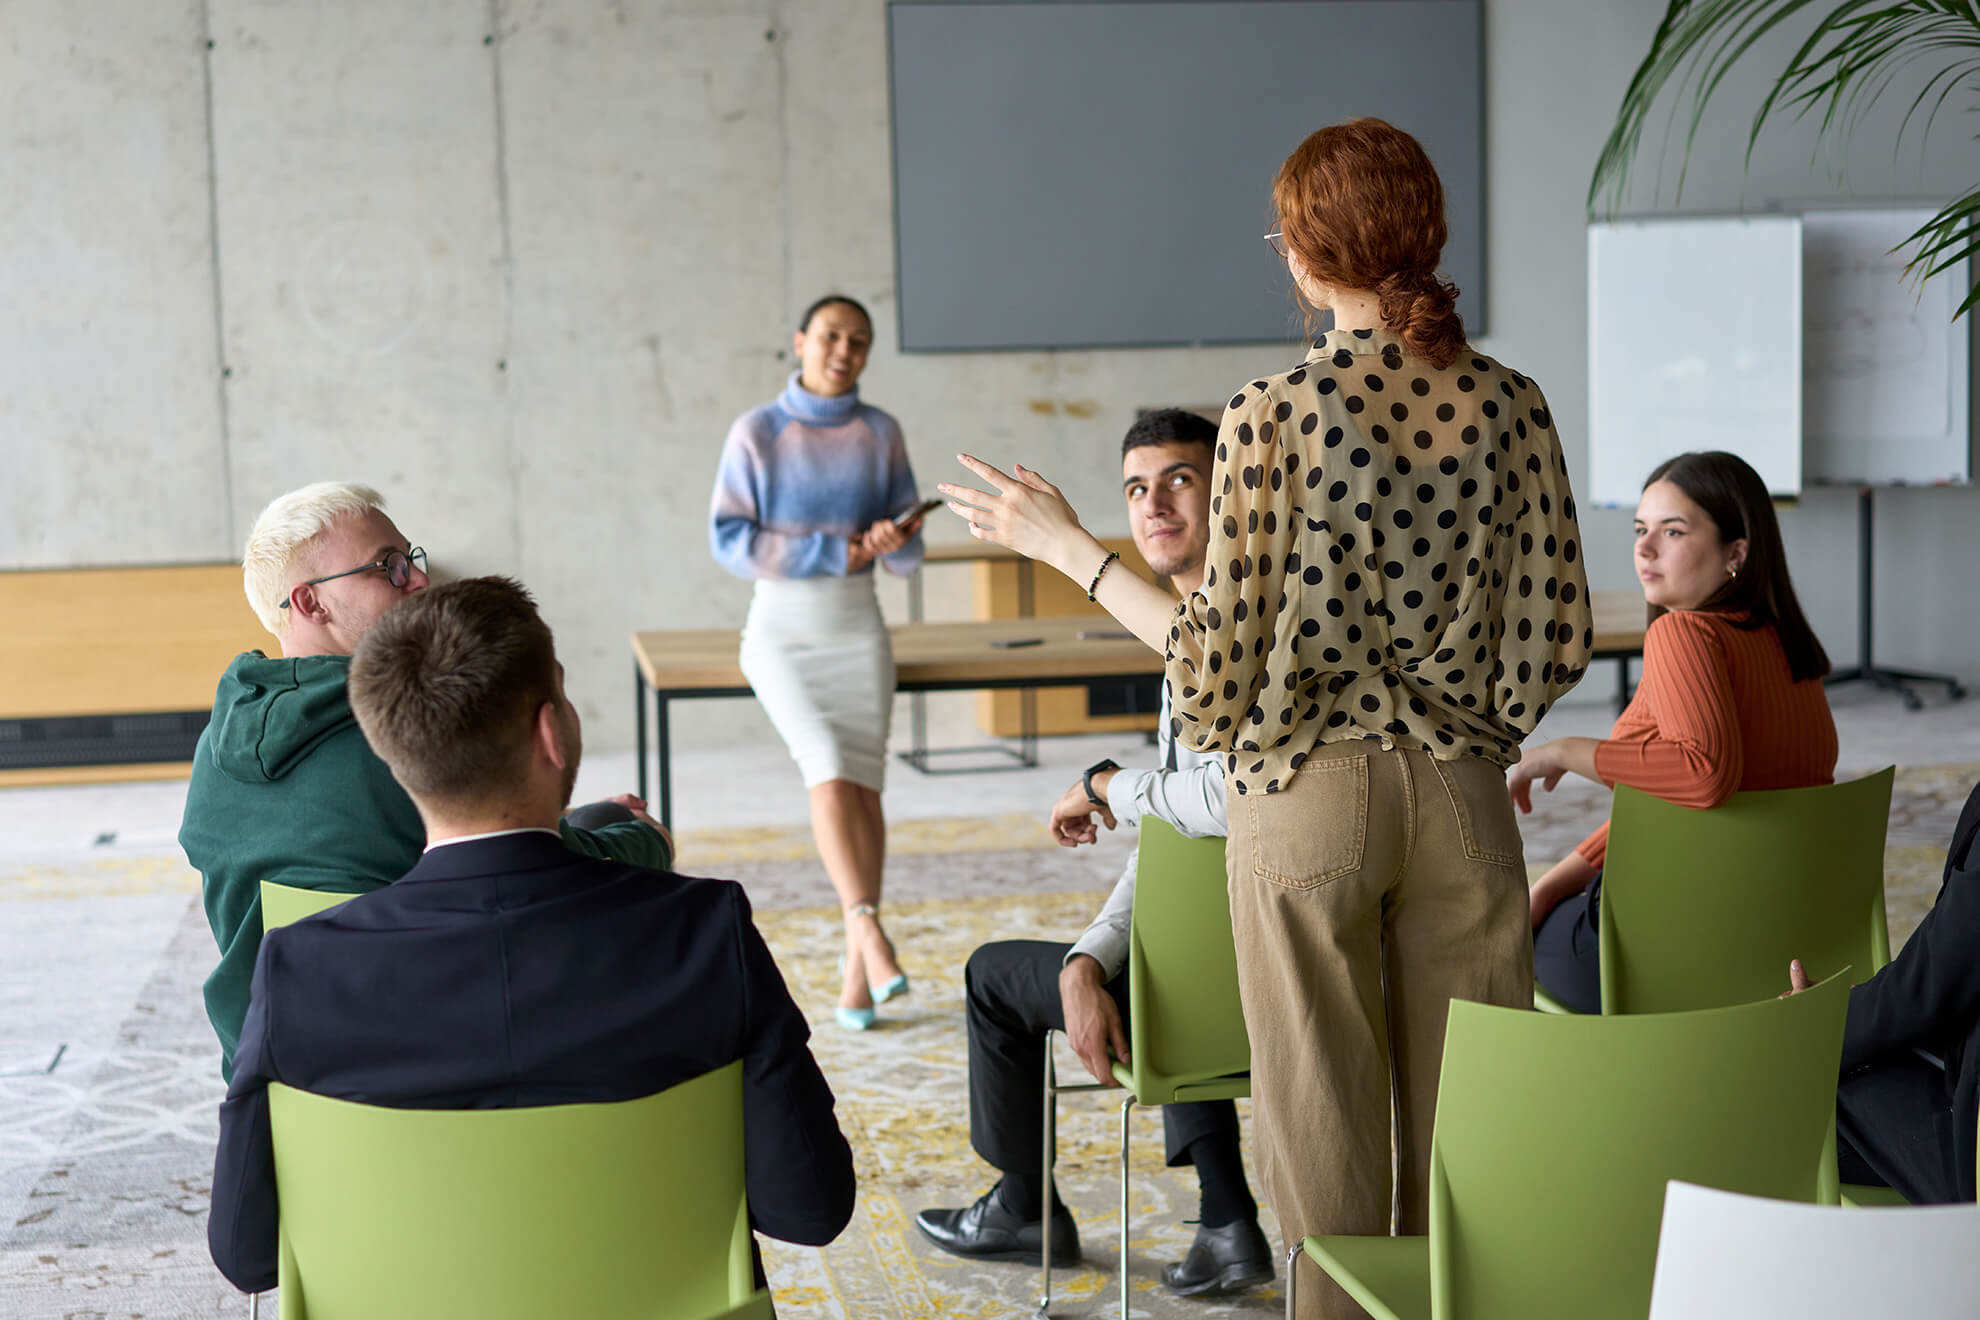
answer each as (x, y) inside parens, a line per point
(1025, 513)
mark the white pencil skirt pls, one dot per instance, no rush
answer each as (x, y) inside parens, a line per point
(816, 651)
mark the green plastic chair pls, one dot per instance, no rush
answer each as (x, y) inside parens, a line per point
(1862, 1196)
(1701, 909)
(1546, 1003)
(1704, 908)
(500, 1213)
(282, 904)
(1185, 1026)
(756, 1308)
(1555, 1136)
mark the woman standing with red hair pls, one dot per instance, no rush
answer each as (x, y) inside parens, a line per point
(1394, 598)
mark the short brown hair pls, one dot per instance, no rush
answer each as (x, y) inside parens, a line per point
(447, 684)
(1362, 205)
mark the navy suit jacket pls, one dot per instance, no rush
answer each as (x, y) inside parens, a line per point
(1929, 995)
(507, 972)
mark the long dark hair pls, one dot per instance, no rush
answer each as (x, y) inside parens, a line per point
(829, 300)
(1734, 497)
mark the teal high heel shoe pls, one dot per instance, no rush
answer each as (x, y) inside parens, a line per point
(894, 988)
(854, 1019)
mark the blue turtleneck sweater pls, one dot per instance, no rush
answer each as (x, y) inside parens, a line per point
(801, 478)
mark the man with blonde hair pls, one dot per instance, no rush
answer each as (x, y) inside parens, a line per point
(503, 969)
(284, 787)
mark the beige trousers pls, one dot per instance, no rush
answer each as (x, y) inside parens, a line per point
(1372, 890)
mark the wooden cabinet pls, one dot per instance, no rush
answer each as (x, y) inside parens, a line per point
(109, 673)
(999, 586)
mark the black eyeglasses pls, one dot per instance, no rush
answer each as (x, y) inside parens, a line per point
(398, 566)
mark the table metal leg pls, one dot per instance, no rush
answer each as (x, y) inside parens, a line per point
(639, 723)
(666, 812)
(917, 755)
(1028, 698)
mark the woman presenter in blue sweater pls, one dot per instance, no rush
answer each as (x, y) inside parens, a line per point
(804, 506)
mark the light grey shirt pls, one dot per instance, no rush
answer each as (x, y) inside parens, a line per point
(1190, 797)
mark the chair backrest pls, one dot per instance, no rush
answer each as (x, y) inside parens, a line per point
(633, 1209)
(1724, 1256)
(282, 904)
(1704, 908)
(1186, 1023)
(1556, 1134)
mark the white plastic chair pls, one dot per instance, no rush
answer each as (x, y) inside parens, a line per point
(1725, 1256)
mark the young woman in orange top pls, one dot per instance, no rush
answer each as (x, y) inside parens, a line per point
(1731, 696)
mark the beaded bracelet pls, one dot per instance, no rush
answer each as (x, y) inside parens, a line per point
(1105, 564)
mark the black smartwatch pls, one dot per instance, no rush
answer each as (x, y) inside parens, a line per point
(1086, 780)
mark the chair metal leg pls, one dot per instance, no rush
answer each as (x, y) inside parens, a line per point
(1048, 1146)
(1051, 1145)
(254, 1306)
(1292, 1279)
(1127, 1106)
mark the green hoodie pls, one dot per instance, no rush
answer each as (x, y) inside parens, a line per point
(285, 788)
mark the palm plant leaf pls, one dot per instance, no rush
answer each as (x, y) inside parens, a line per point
(1844, 66)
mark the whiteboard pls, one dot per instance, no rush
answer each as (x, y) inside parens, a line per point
(1694, 342)
(1885, 366)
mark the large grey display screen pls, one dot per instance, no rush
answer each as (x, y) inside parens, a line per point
(1099, 174)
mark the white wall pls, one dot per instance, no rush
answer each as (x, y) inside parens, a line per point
(519, 264)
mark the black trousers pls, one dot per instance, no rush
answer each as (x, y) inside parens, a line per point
(1012, 992)
(1895, 1128)
(1567, 954)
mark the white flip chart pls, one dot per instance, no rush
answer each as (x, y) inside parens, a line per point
(1885, 375)
(1694, 342)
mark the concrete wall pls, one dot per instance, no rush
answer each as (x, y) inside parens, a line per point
(519, 264)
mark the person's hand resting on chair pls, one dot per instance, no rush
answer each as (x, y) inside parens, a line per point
(1797, 979)
(1093, 1020)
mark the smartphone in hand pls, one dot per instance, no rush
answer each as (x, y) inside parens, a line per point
(907, 516)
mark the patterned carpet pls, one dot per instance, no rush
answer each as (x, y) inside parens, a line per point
(108, 1072)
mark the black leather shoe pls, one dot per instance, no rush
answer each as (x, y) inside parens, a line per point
(988, 1231)
(1221, 1260)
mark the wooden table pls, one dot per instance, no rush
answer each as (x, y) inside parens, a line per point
(928, 657)
(1619, 624)
(967, 657)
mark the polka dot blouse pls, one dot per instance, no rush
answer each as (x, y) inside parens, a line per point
(1393, 556)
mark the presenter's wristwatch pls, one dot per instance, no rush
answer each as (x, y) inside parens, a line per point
(1086, 780)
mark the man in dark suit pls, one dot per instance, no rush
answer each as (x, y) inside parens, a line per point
(505, 970)
(1907, 1108)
